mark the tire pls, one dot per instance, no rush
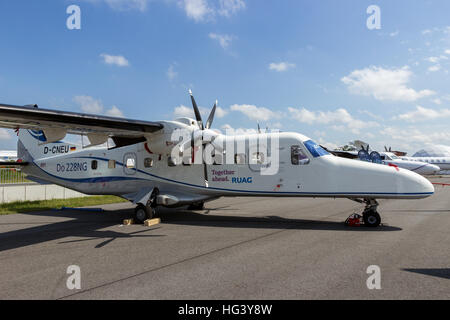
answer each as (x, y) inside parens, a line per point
(371, 219)
(142, 213)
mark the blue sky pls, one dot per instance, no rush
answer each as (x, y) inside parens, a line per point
(307, 66)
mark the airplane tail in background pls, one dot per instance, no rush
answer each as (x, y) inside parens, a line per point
(32, 145)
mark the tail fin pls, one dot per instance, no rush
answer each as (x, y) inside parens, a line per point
(32, 145)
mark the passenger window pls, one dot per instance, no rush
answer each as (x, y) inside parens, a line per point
(111, 164)
(94, 165)
(148, 162)
(131, 164)
(298, 156)
(239, 158)
(258, 158)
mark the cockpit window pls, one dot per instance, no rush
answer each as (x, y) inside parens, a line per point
(315, 149)
(298, 156)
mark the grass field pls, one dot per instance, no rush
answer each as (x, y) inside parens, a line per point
(29, 206)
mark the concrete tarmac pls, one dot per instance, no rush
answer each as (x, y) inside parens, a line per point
(238, 248)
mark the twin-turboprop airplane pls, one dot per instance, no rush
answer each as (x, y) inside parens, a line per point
(184, 162)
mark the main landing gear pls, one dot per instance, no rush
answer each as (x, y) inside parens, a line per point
(370, 215)
(142, 213)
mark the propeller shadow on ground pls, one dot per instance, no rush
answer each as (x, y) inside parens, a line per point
(436, 272)
(87, 225)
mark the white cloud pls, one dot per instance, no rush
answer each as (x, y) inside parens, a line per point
(171, 73)
(434, 68)
(394, 34)
(256, 113)
(89, 104)
(123, 5)
(120, 61)
(198, 10)
(340, 119)
(437, 101)
(5, 134)
(281, 66)
(432, 59)
(384, 84)
(423, 114)
(427, 31)
(230, 7)
(447, 51)
(220, 112)
(114, 112)
(229, 130)
(204, 10)
(413, 137)
(183, 111)
(224, 40)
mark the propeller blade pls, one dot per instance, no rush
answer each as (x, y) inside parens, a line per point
(259, 129)
(198, 117)
(385, 148)
(211, 116)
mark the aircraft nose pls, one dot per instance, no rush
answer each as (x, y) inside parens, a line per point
(433, 169)
(416, 184)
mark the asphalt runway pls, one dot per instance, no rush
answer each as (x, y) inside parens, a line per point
(238, 248)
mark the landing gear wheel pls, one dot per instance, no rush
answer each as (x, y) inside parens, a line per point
(197, 206)
(142, 213)
(371, 219)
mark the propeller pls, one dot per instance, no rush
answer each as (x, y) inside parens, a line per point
(259, 129)
(205, 134)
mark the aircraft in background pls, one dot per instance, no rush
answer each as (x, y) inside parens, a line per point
(442, 162)
(361, 151)
(150, 165)
(7, 155)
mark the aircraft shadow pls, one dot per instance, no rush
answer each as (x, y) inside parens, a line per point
(88, 226)
(204, 218)
(84, 224)
(438, 272)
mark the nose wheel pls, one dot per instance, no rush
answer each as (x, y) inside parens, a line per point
(371, 218)
(370, 215)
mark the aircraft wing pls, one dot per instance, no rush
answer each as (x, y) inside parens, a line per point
(61, 122)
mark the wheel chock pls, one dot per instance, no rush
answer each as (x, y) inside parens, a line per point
(152, 222)
(127, 222)
(355, 220)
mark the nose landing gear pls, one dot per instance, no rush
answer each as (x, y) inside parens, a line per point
(370, 215)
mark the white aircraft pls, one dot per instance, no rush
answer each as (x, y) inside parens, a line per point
(443, 163)
(142, 163)
(386, 158)
(419, 167)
